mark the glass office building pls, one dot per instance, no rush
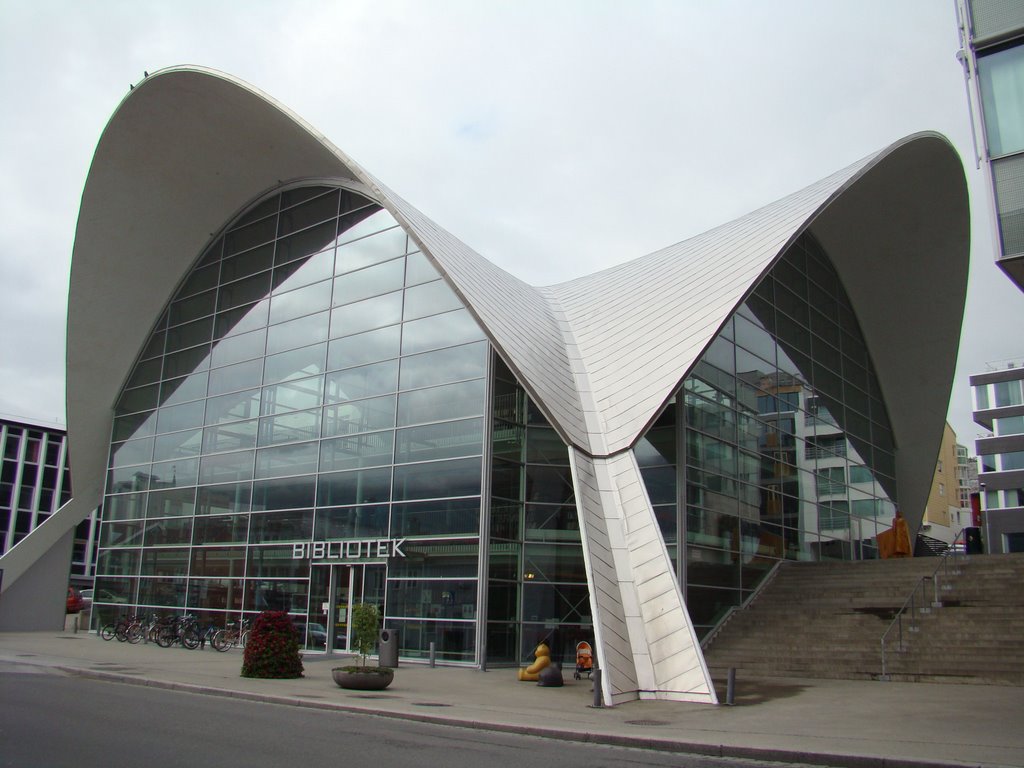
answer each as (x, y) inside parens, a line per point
(291, 390)
(35, 481)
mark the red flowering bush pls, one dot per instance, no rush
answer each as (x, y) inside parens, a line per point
(273, 648)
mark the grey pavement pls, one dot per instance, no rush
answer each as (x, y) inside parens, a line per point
(830, 722)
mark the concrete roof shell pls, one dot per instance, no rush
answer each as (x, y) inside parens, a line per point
(188, 148)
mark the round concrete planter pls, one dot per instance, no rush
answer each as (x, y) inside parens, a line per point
(359, 679)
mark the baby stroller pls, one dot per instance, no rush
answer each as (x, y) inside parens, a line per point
(584, 660)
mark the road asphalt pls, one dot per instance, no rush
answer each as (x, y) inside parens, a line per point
(824, 722)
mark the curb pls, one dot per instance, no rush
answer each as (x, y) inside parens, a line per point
(634, 742)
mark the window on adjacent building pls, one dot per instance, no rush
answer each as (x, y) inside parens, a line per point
(1010, 425)
(1008, 393)
(981, 397)
(1012, 460)
(1001, 76)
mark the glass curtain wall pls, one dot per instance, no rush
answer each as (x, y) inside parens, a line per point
(537, 586)
(313, 379)
(787, 445)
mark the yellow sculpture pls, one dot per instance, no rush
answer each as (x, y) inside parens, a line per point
(543, 659)
(895, 542)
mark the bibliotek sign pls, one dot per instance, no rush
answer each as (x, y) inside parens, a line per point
(357, 549)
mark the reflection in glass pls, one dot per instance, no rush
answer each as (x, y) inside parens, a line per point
(362, 348)
(297, 364)
(366, 315)
(285, 460)
(374, 249)
(290, 427)
(419, 269)
(369, 282)
(452, 401)
(369, 449)
(445, 330)
(771, 423)
(368, 521)
(296, 333)
(364, 381)
(230, 417)
(359, 416)
(429, 299)
(443, 366)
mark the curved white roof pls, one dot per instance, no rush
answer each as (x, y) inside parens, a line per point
(188, 148)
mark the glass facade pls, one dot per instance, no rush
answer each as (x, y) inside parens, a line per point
(313, 381)
(317, 420)
(537, 585)
(777, 446)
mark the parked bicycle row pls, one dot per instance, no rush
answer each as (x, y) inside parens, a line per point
(182, 630)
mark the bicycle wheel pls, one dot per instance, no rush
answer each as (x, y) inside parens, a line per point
(107, 632)
(121, 632)
(166, 638)
(220, 641)
(190, 638)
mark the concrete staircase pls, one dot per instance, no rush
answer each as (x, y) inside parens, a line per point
(826, 620)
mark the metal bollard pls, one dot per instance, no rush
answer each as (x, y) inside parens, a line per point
(598, 693)
(433, 654)
(730, 687)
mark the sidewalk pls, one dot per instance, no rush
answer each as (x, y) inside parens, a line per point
(833, 722)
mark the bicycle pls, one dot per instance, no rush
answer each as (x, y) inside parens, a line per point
(119, 629)
(183, 629)
(233, 634)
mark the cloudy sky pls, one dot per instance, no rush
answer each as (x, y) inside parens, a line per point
(556, 137)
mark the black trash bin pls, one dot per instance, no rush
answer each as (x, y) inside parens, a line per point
(388, 648)
(972, 541)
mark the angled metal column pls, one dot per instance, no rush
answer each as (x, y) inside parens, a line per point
(645, 643)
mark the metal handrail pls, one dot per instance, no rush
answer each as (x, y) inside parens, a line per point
(911, 603)
(734, 609)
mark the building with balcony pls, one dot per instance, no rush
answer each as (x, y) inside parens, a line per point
(992, 53)
(967, 481)
(999, 408)
(291, 390)
(35, 481)
(948, 510)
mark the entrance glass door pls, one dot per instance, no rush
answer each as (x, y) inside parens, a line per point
(346, 586)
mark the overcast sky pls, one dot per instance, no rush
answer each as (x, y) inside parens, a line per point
(554, 137)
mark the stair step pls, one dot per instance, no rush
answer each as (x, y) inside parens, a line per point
(826, 620)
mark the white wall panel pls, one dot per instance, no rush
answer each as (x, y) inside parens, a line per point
(645, 643)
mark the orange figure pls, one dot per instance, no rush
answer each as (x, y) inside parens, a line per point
(895, 542)
(902, 544)
(543, 659)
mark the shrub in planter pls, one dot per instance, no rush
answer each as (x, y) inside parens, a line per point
(365, 626)
(273, 648)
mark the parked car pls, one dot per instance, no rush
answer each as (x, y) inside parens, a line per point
(106, 596)
(74, 603)
(86, 595)
(317, 633)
